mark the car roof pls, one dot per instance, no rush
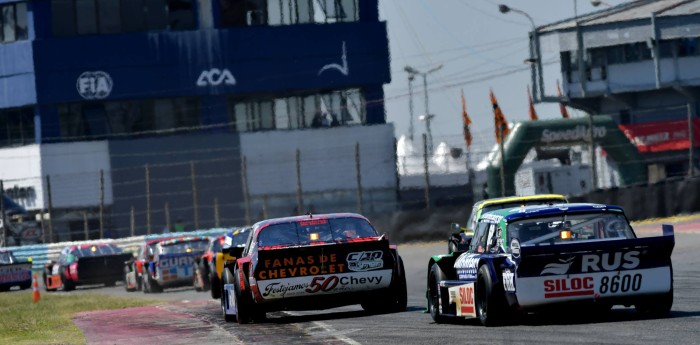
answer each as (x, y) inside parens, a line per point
(183, 239)
(262, 224)
(536, 211)
(509, 199)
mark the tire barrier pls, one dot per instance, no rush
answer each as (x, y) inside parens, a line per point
(41, 254)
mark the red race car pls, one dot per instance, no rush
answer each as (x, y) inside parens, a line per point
(84, 265)
(313, 262)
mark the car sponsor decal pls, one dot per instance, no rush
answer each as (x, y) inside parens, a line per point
(10, 274)
(365, 261)
(324, 284)
(466, 265)
(463, 297)
(322, 260)
(515, 248)
(508, 280)
(175, 261)
(533, 291)
(294, 266)
(561, 267)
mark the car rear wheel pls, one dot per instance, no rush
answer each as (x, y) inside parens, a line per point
(228, 279)
(434, 278)
(490, 299)
(395, 300)
(243, 301)
(126, 280)
(150, 285)
(656, 306)
(215, 286)
(66, 284)
(197, 278)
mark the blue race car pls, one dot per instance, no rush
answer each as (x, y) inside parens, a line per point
(541, 257)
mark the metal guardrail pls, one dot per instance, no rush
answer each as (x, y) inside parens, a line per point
(42, 254)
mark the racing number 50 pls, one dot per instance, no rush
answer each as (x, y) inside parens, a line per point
(322, 284)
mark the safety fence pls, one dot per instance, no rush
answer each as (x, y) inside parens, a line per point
(42, 254)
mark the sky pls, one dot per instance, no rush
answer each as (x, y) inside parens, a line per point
(479, 49)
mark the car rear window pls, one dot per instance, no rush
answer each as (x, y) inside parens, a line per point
(186, 247)
(315, 230)
(96, 250)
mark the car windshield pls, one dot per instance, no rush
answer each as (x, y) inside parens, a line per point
(315, 230)
(493, 207)
(583, 227)
(240, 237)
(186, 247)
(5, 258)
(96, 250)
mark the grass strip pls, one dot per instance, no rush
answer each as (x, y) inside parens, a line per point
(50, 320)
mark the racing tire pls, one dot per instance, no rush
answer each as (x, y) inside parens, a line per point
(228, 279)
(394, 300)
(490, 299)
(243, 302)
(150, 285)
(197, 278)
(204, 269)
(656, 306)
(215, 286)
(126, 281)
(5, 288)
(434, 277)
(46, 283)
(66, 285)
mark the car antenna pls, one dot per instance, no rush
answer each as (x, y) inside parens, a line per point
(310, 215)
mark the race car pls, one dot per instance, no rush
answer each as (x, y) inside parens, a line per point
(133, 268)
(85, 264)
(172, 261)
(14, 272)
(457, 242)
(313, 262)
(207, 268)
(584, 257)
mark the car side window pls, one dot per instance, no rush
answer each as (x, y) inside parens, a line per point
(471, 221)
(479, 242)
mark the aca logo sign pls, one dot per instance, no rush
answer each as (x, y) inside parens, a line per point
(216, 77)
(94, 85)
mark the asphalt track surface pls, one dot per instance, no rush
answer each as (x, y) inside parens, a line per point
(189, 317)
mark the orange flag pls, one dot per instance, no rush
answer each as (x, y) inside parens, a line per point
(499, 119)
(466, 121)
(562, 107)
(533, 113)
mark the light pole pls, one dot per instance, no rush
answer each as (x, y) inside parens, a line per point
(411, 76)
(535, 54)
(427, 116)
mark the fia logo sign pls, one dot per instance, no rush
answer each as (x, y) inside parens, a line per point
(216, 77)
(94, 85)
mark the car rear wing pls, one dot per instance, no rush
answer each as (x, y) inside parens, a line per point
(596, 256)
(334, 258)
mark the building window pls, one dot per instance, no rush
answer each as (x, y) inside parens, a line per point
(13, 20)
(286, 12)
(336, 108)
(105, 119)
(688, 47)
(16, 126)
(87, 17)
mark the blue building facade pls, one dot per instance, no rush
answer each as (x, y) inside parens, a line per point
(169, 97)
(92, 69)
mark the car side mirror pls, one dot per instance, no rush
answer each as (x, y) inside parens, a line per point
(455, 227)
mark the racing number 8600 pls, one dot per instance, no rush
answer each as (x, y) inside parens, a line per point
(322, 284)
(622, 283)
